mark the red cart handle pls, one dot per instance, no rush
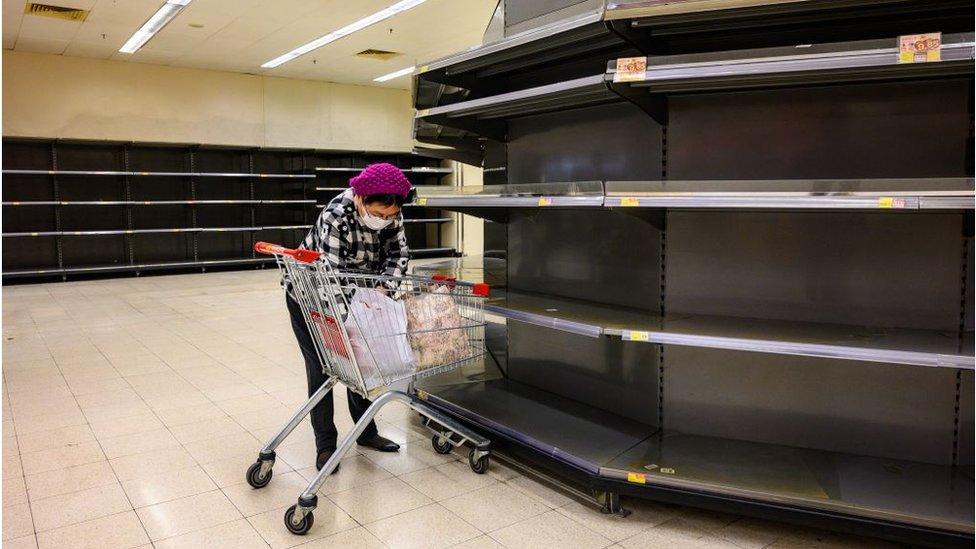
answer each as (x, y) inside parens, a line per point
(480, 289)
(305, 256)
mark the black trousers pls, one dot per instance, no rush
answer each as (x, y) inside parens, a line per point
(322, 415)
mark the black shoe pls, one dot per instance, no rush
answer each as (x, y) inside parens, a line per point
(323, 457)
(379, 443)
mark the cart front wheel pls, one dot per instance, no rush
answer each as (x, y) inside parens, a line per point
(444, 447)
(479, 466)
(254, 477)
(303, 526)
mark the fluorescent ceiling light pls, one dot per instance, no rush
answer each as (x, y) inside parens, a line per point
(385, 13)
(154, 24)
(395, 74)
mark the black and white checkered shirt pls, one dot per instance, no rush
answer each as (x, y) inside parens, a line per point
(347, 244)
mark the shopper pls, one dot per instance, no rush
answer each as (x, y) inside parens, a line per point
(361, 229)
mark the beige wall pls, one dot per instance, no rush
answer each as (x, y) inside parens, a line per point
(71, 97)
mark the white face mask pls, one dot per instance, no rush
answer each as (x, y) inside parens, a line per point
(375, 223)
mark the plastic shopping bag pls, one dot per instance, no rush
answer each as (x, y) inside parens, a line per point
(377, 328)
(437, 333)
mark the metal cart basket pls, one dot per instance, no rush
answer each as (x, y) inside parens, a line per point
(374, 355)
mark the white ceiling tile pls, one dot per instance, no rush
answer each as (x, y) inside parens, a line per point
(40, 45)
(101, 50)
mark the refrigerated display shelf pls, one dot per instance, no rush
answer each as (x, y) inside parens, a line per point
(485, 116)
(864, 194)
(136, 267)
(806, 64)
(831, 194)
(931, 348)
(615, 448)
(160, 174)
(152, 202)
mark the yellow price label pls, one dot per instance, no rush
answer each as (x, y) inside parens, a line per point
(920, 48)
(422, 395)
(891, 202)
(544, 201)
(33, 234)
(637, 478)
(630, 69)
(423, 68)
(629, 202)
(630, 335)
(421, 201)
(422, 113)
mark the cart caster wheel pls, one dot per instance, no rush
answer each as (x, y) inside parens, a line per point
(303, 526)
(254, 477)
(479, 466)
(440, 448)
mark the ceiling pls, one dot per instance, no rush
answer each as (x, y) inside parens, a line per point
(240, 35)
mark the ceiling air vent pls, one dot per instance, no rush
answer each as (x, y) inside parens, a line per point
(378, 54)
(58, 12)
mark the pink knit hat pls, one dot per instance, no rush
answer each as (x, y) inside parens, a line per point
(380, 178)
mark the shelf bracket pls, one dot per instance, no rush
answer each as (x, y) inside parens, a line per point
(492, 129)
(655, 105)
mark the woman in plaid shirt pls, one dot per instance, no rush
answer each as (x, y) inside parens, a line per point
(361, 229)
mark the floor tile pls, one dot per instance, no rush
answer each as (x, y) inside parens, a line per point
(57, 511)
(385, 498)
(411, 457)
(61, 457)
(643, 515)
(354, 470)
(675, 533)
(167, 486)
(329, 519)
(108, 428)
(483, 542)
(186, 515)
(105, 398)
(14, 491)
(447, 481)
(17, 521)
(120, 410)
(117, 531)
(46, 440)
(282, 491)
(357, 538)
(249, 403)
(206, 429)
(47, 422)
(26, 542)
(429, 527)
(494, 507)
(227, 392)
(212, 449)
(12, 467)
(173, 417)
(232, 470)
(71, 479)
(87, 386)
(539, 491)
(137, 443)
(753, 533)
(151, 463)
(549, 530)
(238, 534)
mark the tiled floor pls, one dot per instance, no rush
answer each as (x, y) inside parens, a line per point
(133, 406)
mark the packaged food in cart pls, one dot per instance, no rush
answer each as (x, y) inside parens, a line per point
(436, 328)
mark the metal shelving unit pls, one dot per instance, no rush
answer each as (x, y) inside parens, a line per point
(762, 305)
(148, 207)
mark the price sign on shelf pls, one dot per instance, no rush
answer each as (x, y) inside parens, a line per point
(920, 48)
(630, 69)
(545, 201)
(892, 202)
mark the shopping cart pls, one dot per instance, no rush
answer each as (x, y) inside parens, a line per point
(359, 356)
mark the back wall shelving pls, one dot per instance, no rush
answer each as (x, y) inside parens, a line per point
(73, 208)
